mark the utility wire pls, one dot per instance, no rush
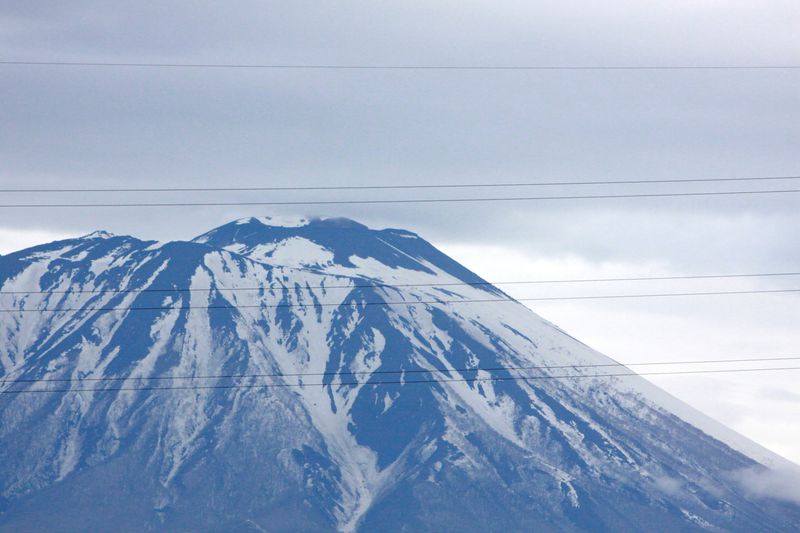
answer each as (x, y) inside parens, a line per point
(403, 201)
(406, 303)
(397, 382)
(382, 372)
(396, 187)
(289, 66)
(399, 285)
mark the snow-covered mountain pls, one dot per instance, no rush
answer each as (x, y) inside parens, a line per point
(327, 313)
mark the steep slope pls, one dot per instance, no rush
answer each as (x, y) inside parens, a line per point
(338, 321)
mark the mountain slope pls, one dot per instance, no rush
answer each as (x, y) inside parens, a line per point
(327, 314)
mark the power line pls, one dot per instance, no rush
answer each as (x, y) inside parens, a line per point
(406, 303)
(288, 66)
(397, 382)
(382, 372)
(399, 285)
(404, 201)
(396, 187)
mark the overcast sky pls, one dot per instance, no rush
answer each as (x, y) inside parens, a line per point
(126, 127)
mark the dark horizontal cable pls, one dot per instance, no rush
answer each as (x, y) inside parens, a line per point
(395, 187)
(397, 285)
(407, 201)
(396, 382)
(286, 66)
(409, 371)
(415, 302)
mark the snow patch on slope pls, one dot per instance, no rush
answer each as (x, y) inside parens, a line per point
(294, 251)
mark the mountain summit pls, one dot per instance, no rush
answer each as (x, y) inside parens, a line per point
(282, 374)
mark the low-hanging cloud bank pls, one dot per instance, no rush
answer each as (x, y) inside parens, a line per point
(760, 482)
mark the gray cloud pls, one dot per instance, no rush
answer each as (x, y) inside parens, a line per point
(76, 127)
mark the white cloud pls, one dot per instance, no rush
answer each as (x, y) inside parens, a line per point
(668, 485)
(760, 482)
(12, 239)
